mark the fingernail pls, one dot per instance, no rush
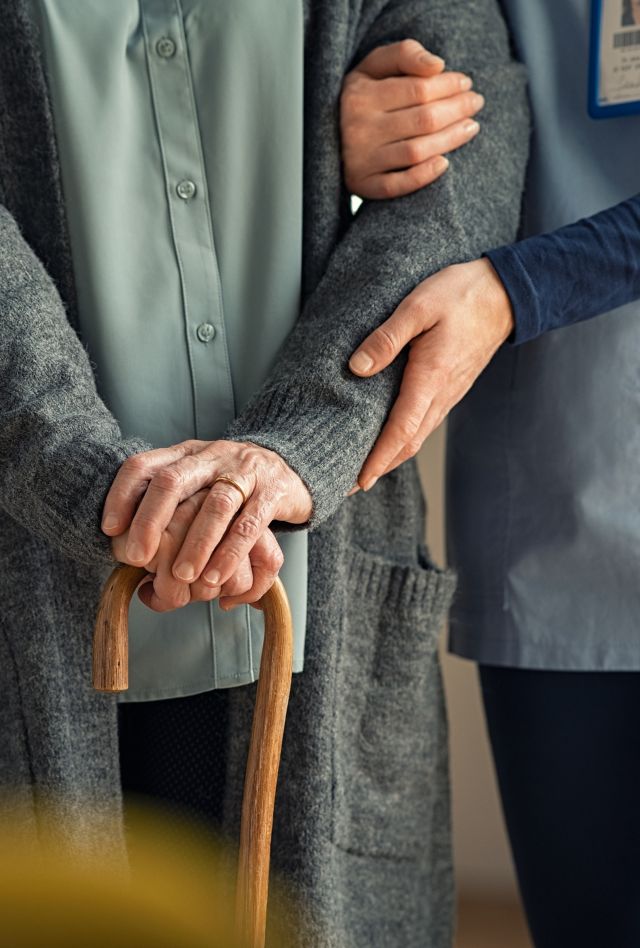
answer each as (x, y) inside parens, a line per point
(430, 60)
(368, 484)
(440, 164)
(466, 83)
(471, 127)
(479, 100)
(360, 362)
(212, 577)
(185, 572)
(135, 552)
(110, 522)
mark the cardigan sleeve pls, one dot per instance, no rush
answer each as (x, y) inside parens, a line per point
(60, 447)
(575, 273)
(318, 416)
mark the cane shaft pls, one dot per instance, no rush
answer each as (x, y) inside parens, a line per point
(263, 762)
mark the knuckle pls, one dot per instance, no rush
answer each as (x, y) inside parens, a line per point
(350, 101)
(220, 502)
(408, 428)
(171, 595)
(413, 446)
(172, 599)
(387, 187)
(409, 48)
(403, 456)
(248, 527)
(275, 560)
(169, 480)
(412, 151)
(135, 465)
(177, 600)
(251, 456)
(201, 547)
(421, 307)
(419, 91)
(426, 120)
(385, 342)
(420, 174)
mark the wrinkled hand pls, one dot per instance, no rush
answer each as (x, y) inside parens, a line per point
(400, 113)
(454, 322)
(162, 592)
(208, 544)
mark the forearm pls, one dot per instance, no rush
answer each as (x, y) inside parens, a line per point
(573, 274)
(312, 410)
(60, 448)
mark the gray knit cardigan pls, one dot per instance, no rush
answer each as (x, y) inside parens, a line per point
(362, 824)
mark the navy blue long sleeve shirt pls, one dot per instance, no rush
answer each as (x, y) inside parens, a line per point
(574, 273)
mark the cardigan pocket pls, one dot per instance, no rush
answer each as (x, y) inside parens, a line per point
(390, 735)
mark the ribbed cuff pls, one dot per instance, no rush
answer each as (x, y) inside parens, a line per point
(93, 464)
(520, 290)
(312, 439)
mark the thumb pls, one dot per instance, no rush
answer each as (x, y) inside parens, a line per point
(387, 341)
(408, 57)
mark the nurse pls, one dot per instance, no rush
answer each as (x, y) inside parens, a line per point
(543, 460)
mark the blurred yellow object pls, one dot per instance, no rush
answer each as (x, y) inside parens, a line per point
(179, 894)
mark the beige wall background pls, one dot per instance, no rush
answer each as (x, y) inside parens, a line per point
(482, 858)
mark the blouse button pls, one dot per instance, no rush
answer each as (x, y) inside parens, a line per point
(165, 47)
(205, 332)
(186, 189)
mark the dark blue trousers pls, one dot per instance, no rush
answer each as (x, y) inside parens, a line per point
(566, 747)
(173, 753)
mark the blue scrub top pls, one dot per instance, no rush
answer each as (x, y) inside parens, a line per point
(544, 453)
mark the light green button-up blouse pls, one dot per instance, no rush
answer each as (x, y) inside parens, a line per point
(179, 125)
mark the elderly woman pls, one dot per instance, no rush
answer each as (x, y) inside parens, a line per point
(151, 181)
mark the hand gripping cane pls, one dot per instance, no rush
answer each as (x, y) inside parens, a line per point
(110, 673)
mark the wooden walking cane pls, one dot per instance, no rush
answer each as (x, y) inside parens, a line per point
(110, 673)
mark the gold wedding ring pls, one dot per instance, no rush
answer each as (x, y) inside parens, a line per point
(230, 480)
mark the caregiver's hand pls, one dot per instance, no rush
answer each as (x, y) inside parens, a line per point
(162, 592)
(149, 487)
(454, 322)
(400, 113)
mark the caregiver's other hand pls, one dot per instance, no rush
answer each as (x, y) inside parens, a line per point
(149, 487)
(400, 113)
(454, 322)
(162, 592)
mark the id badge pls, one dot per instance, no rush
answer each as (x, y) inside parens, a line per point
(614, 60)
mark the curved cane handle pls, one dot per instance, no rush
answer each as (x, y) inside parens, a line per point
(110, 673)
(111, 632)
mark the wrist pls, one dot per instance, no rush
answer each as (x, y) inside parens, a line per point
(495, 298)
(296, 504)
